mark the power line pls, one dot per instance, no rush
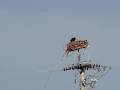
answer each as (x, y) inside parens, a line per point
(47, 81)
(30, 73)
(116, 71)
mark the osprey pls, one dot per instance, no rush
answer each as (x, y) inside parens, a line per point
(73, 39)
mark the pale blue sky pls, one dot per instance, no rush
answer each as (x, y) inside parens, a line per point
(60, 5)
(33, 33)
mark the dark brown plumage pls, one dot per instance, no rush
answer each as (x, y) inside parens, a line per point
(73, 39)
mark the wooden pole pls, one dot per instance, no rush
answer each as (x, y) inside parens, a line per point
(82, 80)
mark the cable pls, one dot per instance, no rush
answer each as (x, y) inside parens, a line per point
(106, 73)
(30, 73)
(47, 80)
(115, 67)
(90, 76)
(116, 71)
(72, 82)
(70, 85)
(100, 76)
(103, 74)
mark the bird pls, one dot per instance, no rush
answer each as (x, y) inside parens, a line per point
(73, 39)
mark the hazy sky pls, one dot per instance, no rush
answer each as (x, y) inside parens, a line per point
(33, 34)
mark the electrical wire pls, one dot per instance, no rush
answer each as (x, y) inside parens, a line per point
(90, 76)
(116, 67)
(70, 85)
(116, 71)
(72, 82)
(102, 75)
(30, 73)
(47, 80)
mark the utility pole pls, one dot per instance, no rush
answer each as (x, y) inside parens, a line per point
(82, 80)
(92, 80)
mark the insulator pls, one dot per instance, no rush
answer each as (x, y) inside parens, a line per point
(90, 65)
(104, 68)
(79, 65)
(99, 65)
(96, 65)
(76, 67)
(110, 68)
(73, 66)
(70, 67)
(64, 69)
(99, 69)
(87, 67)
(93, 66)
(75, 81)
